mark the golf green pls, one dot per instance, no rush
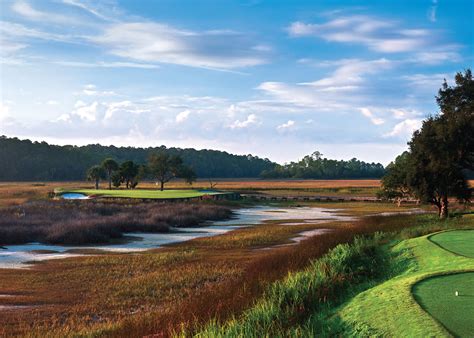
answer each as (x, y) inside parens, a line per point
(141, 193)
(437, 296)
(460, 242)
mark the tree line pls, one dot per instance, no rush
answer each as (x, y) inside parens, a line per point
(161, 167)
(441, 154)
(24, 160)
(314, 166)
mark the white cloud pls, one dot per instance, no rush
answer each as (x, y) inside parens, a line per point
(27, 11)
(349, 73)
(434, 57)
(342, 90)
(251, 120)
(10, 30)
(286, 125)
(374, 119)
(4, 111)
(102, 64)
(405, 128)
(52, 102)
(183, 116)
(88, 8)
(9, 47)
(154, 42)
(377, 34)
(91, 90)
(426, 82)
(403, 113)
(86, 112)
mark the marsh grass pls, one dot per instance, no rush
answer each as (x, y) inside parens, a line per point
(180, 287)
(85, 222)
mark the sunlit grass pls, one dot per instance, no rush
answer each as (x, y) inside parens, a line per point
(140, 193)
(306, 302)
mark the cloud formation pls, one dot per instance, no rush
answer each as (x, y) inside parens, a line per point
(160, 43)
(405, 128)
(379, 35)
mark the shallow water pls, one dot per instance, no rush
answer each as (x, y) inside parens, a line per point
(74, 196)
(19, 256)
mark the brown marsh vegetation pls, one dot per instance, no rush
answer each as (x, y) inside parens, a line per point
(160, 291)
(85, 222)
(179, 286)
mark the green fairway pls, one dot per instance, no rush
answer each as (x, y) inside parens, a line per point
(437, 296)
(459, 242)
(137, 193)
(389, 309)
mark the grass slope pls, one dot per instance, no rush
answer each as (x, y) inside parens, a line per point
(390, 309)
(437, 296)
(459, 242)
(362, 289)
(140, 193)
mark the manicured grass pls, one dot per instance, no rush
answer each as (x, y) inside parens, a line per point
(389, 309)
(459, 242)
(437, 296)
(140, 193)
(364, 289)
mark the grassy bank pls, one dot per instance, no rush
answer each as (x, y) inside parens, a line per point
(344, 292)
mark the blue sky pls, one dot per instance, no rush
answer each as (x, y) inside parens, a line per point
(278, 79)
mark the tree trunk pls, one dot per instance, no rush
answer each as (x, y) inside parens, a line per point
(443, 213)
(162, 186)
(110, 180)
(96, 184)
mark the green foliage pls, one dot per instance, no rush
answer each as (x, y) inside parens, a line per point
(96, 173)
(395, 183)
(359, 289)
(441, 152)
(129, 174)
(326, 282)
(110, 165)
(164, 167)
(24, 160)
(316, 167)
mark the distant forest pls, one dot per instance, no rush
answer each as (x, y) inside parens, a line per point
(24, 160)
(316, 167)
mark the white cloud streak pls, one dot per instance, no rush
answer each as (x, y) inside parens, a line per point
(377, 34)
(374, 119)
(405, 128)
(155, 42)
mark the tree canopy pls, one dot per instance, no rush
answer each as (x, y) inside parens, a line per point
(314, 166)
(110, 165)
(24, 160)
(442, 152)
(165, 167)
(95, 173)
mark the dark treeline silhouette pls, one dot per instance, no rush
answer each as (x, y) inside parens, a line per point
(316, 167)
(440, 158)
(24, 160)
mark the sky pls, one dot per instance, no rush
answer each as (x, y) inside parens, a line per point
(276, 79)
